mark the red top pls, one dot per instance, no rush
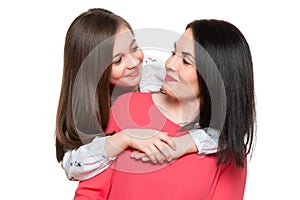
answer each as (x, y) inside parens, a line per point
(187, 178)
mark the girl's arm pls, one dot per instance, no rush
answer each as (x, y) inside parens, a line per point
(86, 161)
(206, 140)
(155, 144)
(93, 158)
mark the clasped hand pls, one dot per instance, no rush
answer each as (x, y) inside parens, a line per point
(151, 145)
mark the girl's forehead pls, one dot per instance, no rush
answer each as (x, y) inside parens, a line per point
(123, 40)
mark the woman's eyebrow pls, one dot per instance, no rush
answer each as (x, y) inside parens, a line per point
(188, 54)
(185, 53)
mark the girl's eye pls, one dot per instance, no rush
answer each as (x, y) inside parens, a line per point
(135, 48)
(173, 52)
(117, 61)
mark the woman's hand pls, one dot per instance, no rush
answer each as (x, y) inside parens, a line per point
(156, 145)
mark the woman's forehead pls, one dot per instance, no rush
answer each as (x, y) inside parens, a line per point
(185, 43)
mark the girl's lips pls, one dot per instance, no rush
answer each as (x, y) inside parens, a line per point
(133, 73)
(170, 79)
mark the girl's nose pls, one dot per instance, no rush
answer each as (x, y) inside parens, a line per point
(133, 60)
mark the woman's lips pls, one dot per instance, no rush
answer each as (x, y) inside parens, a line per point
(170, 79)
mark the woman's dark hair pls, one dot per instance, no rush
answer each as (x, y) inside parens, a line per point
(229, 50)
(84, 103)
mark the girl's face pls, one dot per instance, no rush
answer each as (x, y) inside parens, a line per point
(181, 80)
(127, 60)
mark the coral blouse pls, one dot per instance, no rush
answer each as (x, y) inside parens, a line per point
(191, 177)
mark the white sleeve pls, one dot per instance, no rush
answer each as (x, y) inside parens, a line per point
(86, 161)
(153, 74)
(206, 141)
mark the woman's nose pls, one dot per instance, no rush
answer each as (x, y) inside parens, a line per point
(173, 62)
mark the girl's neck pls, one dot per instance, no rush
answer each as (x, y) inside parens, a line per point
(181, 112)
(116, 91)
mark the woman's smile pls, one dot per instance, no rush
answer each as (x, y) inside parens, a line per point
(170, 79)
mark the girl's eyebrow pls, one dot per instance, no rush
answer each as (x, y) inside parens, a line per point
(132, 42)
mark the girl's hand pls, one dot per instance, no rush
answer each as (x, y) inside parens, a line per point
(153, 144)
(184, 145)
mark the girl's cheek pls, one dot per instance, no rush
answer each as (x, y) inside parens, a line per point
(117, 73)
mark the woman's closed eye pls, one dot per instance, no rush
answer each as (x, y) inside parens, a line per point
(185, 61)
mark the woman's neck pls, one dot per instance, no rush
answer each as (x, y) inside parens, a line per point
(181, 112)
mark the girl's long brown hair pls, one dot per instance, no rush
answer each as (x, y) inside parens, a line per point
(84, 103)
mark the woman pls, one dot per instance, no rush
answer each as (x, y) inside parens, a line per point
(221, 176)
(98, 44)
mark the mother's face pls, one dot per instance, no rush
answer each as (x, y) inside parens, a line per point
(127, 60)
(181, 80)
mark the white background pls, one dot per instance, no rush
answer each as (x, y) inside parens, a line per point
(31, 44)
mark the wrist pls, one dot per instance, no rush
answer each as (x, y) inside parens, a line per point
(124, 140)
(186, 144)
(193, 147)
(116, 144)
